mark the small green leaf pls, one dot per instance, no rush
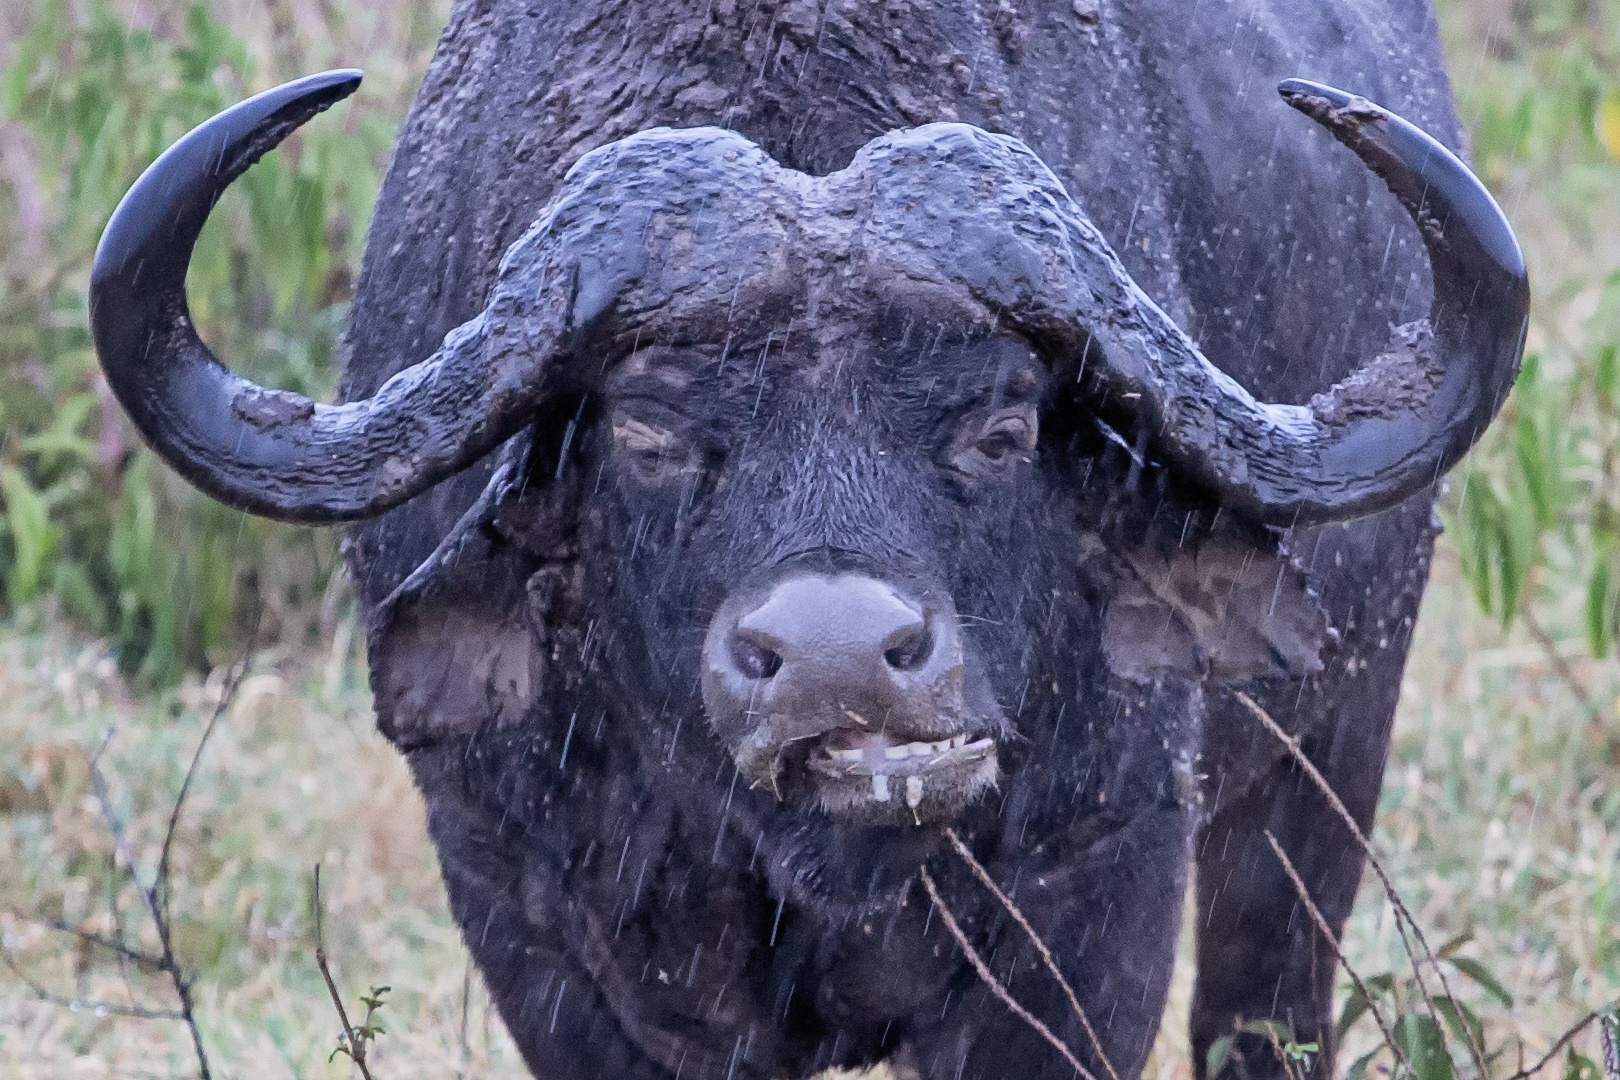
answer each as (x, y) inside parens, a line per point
(1215, 1059)
(1424, 1045)
(33, 539)
(1355, 1007)
(1358, 1068)
(1446, 951)
(1608, 373)
(1482, 977)
(1577, 1066)
(1461, 1021)
(1599, 605)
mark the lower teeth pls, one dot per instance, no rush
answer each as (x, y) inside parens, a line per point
(880, 787)
(913, 791)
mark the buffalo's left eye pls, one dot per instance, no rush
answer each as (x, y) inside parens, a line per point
(989, 442)
(651, 454)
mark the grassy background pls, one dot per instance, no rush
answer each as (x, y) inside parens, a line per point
(1501, 812)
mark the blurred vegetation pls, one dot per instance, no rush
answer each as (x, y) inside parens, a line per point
(1535, 513)
(91, 526)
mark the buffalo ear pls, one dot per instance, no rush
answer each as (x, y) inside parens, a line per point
(1225, 604)
(453, 650)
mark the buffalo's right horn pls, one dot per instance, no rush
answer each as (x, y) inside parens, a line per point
(269, 452)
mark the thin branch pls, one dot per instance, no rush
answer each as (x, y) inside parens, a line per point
(1046, 954)
(154, 907)
(100, 1008)
(1559, 662)
(1322, 928)
(995, 986)
(357, 1048)
(1610, 1028)
(1563, 1041)
(227, 695)
(145, 960)
(1401, 911)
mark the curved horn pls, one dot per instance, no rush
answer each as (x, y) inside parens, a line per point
(266, 451)
(1396, 424)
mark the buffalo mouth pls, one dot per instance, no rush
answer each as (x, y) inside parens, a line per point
(884, 777)
(851, 694)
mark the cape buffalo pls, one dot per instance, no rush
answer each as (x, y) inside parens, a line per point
(767, 466)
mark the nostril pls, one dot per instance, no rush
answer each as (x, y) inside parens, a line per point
(910, 648)
(754, 658)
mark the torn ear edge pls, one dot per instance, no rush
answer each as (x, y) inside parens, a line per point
(453, 650)
(1229, 605)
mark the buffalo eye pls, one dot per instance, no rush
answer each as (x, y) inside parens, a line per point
(650, 454)
(989, 443)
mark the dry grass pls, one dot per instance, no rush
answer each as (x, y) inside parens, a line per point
(294, 775)
(1501, 817)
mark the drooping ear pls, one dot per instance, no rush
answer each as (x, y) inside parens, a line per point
(1225, 603)
(457, 648)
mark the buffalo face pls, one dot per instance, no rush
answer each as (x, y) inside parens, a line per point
(800, 525)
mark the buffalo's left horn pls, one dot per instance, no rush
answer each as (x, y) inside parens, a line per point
(1396, 424)
(266, 451)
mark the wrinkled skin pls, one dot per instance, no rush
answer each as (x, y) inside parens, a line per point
(592, 837)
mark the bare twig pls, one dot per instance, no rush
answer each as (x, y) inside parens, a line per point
(1563, 1041)
(1610, 1028)
(146, 961)
(233, 683)
(1395, 901)
(154, 894)
(99, 1008)
(1322, 928)
(1046, 954)
(1559, 662)
(357, 1047)
(995, 986)
(155, 907)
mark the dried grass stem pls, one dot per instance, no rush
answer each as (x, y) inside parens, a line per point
(1046, 954)
(994, 984)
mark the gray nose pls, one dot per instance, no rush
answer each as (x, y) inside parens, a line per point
(818, 648)
(848, 625)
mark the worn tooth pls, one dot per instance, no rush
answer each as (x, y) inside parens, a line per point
(913, 791)
(846, 755)
(880, 787)
(896, 753)
(960, 740)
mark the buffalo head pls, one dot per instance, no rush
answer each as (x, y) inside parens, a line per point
(826, 422)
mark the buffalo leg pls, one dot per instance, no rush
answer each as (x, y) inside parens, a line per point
(1260, 954)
